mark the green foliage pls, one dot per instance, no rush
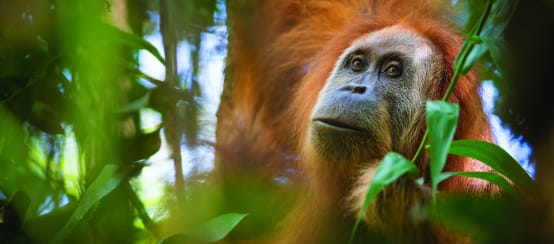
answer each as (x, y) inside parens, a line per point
(117, 36)
(486, 32)
(486, 21)
(212, 231)
(488, 176)
(495, 157)
(499, 53)
(442, 119)
(12, 150)
(392, 167)
(106, 182)
(490, 220)
(71, 138)
(72, 98)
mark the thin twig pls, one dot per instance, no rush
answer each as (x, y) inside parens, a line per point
(172, 127)
(143, 215)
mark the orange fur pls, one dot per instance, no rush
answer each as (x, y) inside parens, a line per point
(280, 55)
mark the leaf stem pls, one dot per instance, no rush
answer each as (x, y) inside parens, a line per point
(464, 53)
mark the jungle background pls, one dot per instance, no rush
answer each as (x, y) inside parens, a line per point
(107, 120)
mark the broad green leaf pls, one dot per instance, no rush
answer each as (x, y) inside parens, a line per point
(442, 119)
(392, 167)
(488, 176)
(212, 231)
(108, 179)
(495, 157)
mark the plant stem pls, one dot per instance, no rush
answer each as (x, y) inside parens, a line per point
(143, 215)
(464, 53)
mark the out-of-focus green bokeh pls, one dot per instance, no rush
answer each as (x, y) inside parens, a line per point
(95, 149)
(80, 119)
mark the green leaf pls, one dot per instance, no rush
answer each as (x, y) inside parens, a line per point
(217, 228)
(486, 219)
(468, 43)
(501, 13)
(108, 179)
(471, 51)
(475, 10)
(13, 150)
(212, 231)
(442, 119)
(495, 157)
(474, 54)
(493, 27)
(499, 53)
(136, 105)
(488, 176)
(392, 167)
(134, 41)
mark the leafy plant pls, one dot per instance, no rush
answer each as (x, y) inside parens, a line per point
(73, 94)
(212, 231)
(442, 118)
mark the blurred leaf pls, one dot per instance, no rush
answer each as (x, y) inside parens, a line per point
(136, 105)
(44, 227)
(281, 193)
(488, 176)
(495, 157)
(12, 84)
(471, 51)
(212, 231)
(442, 119)
(392, 167)
(486, 219)
(482, 36)
(126, 38)
(487, 70)
(12, 216)
(501, 13)
(474, 9)
(45, 117)
(108, 179)
(163, 98)
(141, 146)
(41, 106)
(13, 150)
(499, 53)
(217, 228)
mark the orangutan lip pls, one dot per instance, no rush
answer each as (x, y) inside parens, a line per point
(337, 125)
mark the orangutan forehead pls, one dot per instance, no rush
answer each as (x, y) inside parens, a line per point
(393, 39)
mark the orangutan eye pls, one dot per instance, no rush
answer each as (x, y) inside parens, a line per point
(392, 68)
(358, 63)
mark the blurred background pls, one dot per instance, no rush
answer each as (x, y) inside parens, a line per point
(107, 113)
